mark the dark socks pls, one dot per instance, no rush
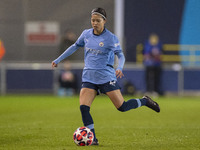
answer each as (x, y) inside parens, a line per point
(87, 118)
(132, 104)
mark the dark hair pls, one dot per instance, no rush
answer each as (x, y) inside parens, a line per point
(100, 11)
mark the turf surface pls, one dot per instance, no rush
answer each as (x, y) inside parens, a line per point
(48, 122)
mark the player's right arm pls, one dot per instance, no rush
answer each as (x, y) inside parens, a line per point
(53, 64)
(64, 55)
(69, 51)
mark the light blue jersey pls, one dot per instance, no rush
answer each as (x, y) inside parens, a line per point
(99, 52)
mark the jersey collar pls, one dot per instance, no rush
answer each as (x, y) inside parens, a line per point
(104, 30)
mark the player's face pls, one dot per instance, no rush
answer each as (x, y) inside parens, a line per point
(97, 23)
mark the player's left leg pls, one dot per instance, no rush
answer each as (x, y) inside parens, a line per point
(118, 100)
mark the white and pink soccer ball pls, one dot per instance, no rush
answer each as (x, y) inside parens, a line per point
(83, 136)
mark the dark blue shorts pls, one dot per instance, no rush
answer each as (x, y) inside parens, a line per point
(102, 88)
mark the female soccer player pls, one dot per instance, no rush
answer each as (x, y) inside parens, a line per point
(100, 47)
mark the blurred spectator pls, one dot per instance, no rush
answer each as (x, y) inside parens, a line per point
(67, 40)
(67, 81)
(129, 88)
(152, 61)
(2, 50)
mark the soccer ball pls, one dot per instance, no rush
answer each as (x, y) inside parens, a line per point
(83, 136)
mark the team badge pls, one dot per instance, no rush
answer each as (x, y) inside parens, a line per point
(101, 44)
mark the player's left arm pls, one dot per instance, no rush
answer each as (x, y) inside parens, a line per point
(121, 61)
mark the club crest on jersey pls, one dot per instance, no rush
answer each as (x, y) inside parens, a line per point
(112, 83)
(101, 44)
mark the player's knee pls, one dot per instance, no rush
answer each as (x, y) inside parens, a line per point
(84, 108)
(122, 108)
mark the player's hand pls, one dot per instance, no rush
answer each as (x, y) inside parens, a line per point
(119, 73)
(53, 65)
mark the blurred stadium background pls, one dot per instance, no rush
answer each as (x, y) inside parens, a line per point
(31, 30)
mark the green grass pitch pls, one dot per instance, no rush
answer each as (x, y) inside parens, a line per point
(47, 123)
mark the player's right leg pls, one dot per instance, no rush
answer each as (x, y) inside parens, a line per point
(87, 96)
